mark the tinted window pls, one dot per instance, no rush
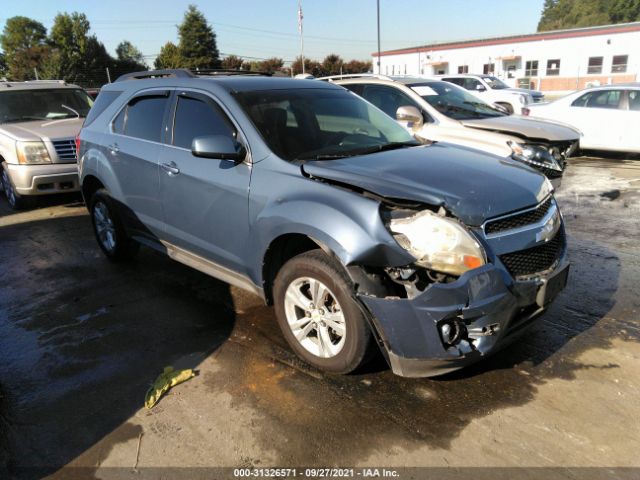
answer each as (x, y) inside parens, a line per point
(144, 118)
(195, 118)
(387, 99)
(328, 123)
(102, 102)
(599, 99)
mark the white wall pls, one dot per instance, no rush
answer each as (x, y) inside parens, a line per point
(573, 53)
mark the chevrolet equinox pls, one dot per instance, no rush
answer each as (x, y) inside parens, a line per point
(300, 191)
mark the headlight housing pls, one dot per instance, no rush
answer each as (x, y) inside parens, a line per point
(536, 155)
(438, 243)
(32, 153)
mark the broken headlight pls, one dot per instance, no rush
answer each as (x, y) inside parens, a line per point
(437, 242)
(537, 155)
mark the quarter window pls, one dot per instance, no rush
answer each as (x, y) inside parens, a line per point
(195, 118)
(553, 67)
(531, 68)
(595, 65)
(619, 64)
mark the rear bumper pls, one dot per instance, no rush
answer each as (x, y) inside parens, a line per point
(44, 179)
(493, 308)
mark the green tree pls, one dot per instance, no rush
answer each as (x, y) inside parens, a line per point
(310, 66)
(197, 43)
(169, 57)
(127, 52)
(23, 42)
(357, 66)
(232, 62)
(332, 64)
(270, 65)
(563, 14)
(3, 65)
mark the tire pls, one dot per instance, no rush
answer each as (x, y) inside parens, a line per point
(14, 199)
(325, 342)
(109, 230)
(506, 106)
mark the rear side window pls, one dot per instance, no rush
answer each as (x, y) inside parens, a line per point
(104, 99)
(144, 117)
(195, 118)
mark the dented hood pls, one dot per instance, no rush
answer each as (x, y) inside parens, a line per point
(525, 127)
(472, 185)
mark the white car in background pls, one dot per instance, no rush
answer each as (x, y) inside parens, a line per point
(493, 90)
(608, 116)
(439, 111)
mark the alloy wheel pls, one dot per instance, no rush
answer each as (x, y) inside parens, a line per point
(8, 189)
(105, 229)
(315, 317)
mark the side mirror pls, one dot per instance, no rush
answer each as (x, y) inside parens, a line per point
(220, 147)
(411, 115)
(480, 87)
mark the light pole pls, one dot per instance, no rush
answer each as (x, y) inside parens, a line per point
(300, 17)
(379, 66)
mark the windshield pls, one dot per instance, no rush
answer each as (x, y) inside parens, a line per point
(495, 83)
(455, 102)
(321, 124)
(43, 104)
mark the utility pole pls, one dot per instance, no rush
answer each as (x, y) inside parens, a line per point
(300, 17)
(379, 67)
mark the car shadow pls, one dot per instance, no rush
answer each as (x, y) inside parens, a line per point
(82, 339)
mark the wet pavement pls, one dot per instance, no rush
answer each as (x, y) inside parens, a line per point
(82, 339)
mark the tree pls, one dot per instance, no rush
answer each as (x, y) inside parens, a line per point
(332, 64)
(357, 66)
(270, 65)
(233, 62)
(169, 57)
(126, 52)
(197, 43)
(3, 65)
(310, 66)
(562, 14)
(23, 42)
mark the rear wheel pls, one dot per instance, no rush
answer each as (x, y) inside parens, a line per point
(15, 200)
(109, 230)
(319, 315)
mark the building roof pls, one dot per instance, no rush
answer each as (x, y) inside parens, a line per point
(550, 35)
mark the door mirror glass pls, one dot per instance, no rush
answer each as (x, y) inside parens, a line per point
(220, 147)
(411, 115)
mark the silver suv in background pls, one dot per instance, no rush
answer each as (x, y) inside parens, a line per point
(493, 90)
(436, 110)
(39, 121)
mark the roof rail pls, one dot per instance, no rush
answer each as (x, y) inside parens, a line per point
(170, 72)
(346, 76)
(61, 82)
(229, 71)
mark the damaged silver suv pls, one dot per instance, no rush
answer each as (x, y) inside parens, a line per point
(302, 192)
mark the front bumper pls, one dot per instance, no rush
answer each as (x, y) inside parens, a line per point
(44, 179)
(494, 308)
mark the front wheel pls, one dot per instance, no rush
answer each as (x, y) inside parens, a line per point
(109, 231)
(319, 315)
(15, 200)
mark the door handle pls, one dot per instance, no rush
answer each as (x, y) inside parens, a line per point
(114, 148)
(171, 168)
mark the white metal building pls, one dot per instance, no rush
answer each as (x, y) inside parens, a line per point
(560, 60)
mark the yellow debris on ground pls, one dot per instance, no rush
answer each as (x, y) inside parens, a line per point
(167, 379)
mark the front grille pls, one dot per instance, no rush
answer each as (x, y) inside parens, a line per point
(519, 219)
(66, 149)
(535, 259)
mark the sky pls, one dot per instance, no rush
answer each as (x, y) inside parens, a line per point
(266, 28)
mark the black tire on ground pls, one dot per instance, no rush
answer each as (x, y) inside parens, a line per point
(14, 199)
(506, 106)
(115, 244)
(359, 345)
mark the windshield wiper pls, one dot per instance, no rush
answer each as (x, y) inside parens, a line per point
(363, 151)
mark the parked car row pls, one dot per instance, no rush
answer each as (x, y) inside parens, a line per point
(392, 215)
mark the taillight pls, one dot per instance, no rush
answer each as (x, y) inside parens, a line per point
(78, 146)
